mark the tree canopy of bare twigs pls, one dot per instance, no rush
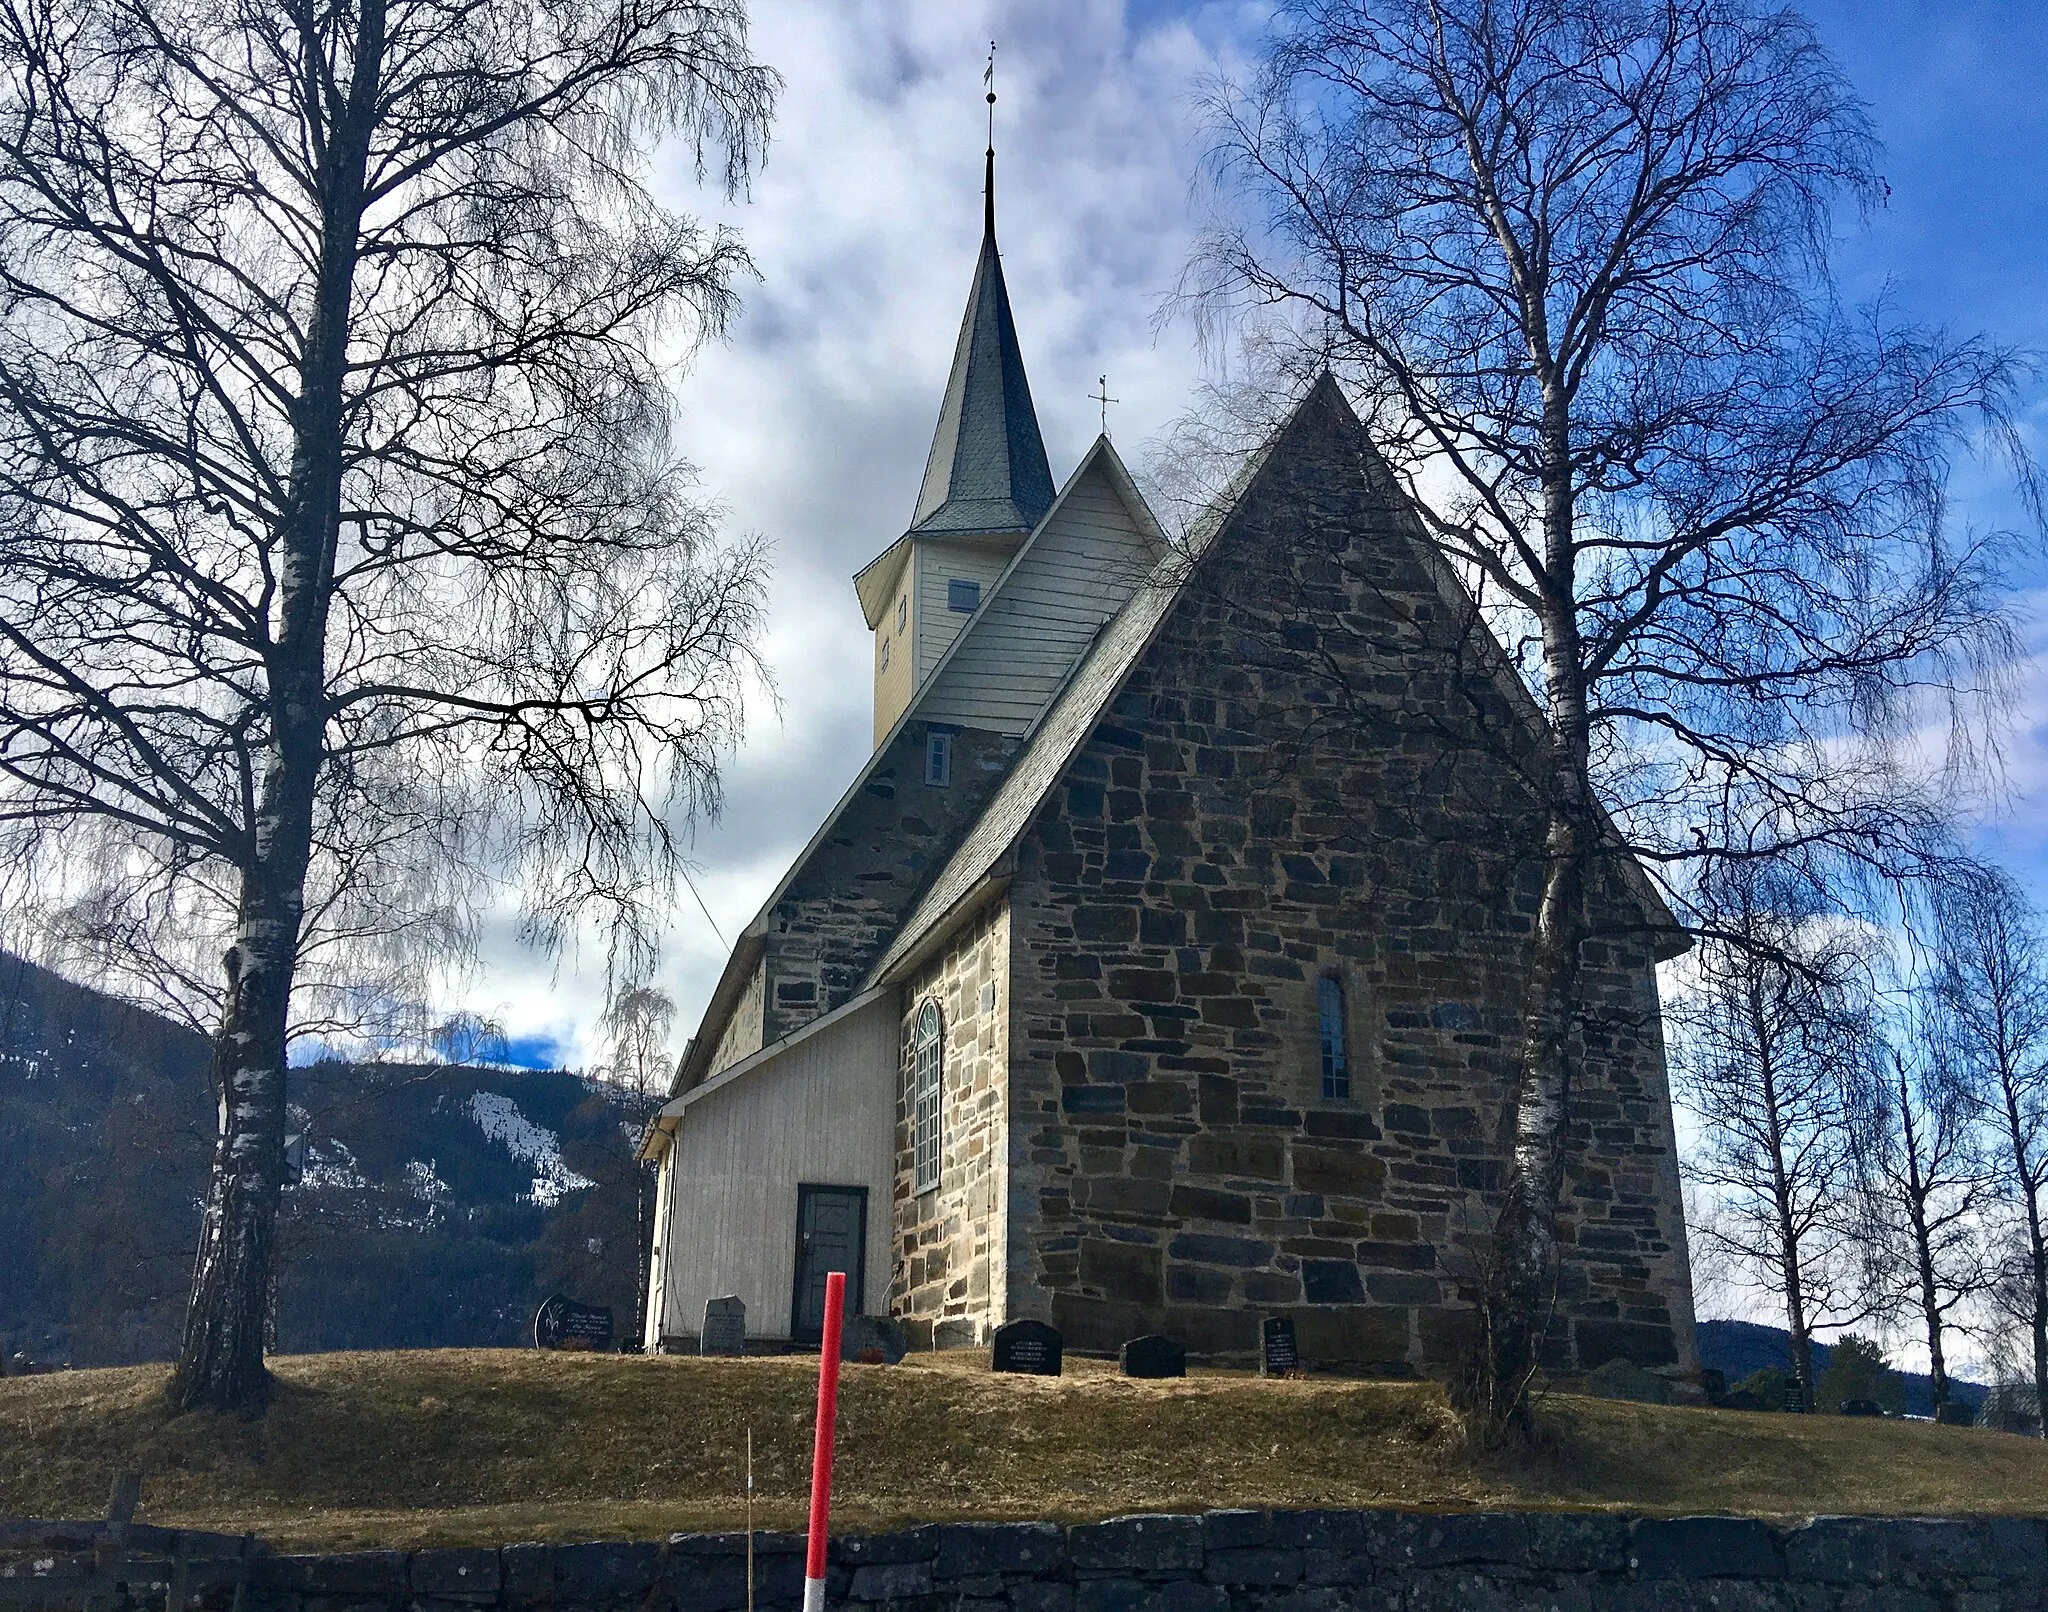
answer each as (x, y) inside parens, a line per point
(1994, 987)
(346, 564)
(1571, 256)
(1780, 1059)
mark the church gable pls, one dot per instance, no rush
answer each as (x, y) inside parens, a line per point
(1076, 572)
(1269, 941)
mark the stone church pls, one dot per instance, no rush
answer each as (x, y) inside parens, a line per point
(1162, 967)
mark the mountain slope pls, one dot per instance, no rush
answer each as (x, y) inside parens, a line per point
(438, 1205)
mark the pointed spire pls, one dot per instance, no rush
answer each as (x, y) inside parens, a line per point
(987, 471)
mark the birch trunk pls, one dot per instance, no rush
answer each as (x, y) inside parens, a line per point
(220, 1361)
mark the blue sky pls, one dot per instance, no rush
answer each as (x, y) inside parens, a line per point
(811, 423)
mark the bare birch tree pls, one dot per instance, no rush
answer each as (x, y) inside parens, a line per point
(1778, 1057)
(346, 566)
(1571, 257)
(1995, 990)
(637, 1026)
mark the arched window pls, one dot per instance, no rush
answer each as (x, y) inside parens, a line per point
(1330, 1020)
(927, 1058)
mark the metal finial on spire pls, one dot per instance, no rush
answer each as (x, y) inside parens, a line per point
(1101, 395)
(988, 189)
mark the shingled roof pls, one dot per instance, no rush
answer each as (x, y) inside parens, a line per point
(987, 471)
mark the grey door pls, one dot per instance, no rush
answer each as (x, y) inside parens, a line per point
(831, 1231)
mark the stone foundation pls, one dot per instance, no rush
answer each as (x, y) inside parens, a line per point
(1224, 1561)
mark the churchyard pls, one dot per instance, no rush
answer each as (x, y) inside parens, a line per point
(454, 1447)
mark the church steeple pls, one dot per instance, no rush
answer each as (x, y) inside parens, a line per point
(987, 471)
(986, 487)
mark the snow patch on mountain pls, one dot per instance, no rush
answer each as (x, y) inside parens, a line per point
(498, 1117)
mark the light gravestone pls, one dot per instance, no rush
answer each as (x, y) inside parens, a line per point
(1029, 1347)
(1153, 1356)
(1277, 1355)
(725, 1327)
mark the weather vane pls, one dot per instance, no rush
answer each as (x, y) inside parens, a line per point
(1101, 395)
(988, 77)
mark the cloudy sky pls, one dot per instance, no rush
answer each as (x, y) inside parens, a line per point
(811, 424)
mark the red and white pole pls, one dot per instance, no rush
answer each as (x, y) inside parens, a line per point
(821, 1446)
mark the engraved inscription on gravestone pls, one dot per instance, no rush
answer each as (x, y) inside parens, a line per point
(1277, 1354)
(725, 1327)
(1027, 1346)
(1153, 1356)
(562, 1323)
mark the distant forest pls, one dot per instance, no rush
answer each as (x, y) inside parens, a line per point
(436, 1206)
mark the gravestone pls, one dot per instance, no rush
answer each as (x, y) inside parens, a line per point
(1027, 1346)
(562, 1323)
(872, 1340)
(725, 1327)
(1277, 1355)
(1795, 1396)
(1861, 1407)
(1153, 1356)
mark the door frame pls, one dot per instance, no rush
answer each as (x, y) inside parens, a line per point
(856, 1296)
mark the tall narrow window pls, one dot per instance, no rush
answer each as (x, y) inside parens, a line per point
(903, 612)
(938, 759)
(1330, 1019)
(927, 1058)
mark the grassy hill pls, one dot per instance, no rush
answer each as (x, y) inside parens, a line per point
(478, 1446)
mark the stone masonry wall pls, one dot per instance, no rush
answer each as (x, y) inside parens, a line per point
(1224, 1561)
(1312, 772)
(852, 894)
(947, 1283)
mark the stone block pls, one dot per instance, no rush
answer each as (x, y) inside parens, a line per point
(1040, 1596)
(1578, 1542)
(907, 1545)
(970, 1549)
(1236, 1530)
(1704, 1547)
(1208, 1249)
(1185, 1595)
(890, 1581)
(454, 1575)
(352, 1573)
(1600, 1340)
(1320, 1530)
(1331, 1281)
(1839, 1550)
(1110, 1595)
(1258, 1565)
(1155, 1543)
(1121, 1270)
(1339, 1172)
(1399, 1539)
(600, 1571)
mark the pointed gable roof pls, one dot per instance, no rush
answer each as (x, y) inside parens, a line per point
(987, 471)
(1320, 425)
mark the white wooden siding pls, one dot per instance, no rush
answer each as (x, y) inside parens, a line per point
(1080, 568)
(822, 1112)
(938, 563)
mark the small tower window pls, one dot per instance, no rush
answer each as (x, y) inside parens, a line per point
(885, 653)
(963, 596)
(1330, 1021)
(927, 1056)
(903, 612)
(938, 759)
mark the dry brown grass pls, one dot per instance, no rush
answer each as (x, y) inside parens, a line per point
(472, 1446)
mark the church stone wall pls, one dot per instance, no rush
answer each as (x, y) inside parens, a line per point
(1300, 778)
(853, 893)
(948, 1244)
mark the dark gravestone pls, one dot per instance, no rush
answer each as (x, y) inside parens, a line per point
(562, 1323)
(1153, 1356)
(1277, 1355)
(1955, 1414)
(872, 1340)
(1861, 1407)
(725, 1327)
(1795, 1396)
(1027, 1346)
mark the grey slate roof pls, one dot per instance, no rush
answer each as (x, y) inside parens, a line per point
(987, 471)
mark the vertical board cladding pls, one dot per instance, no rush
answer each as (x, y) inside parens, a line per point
(949, 1285)
(743, 1030)
(817, 1113)
(1310, 773)
(852, 892)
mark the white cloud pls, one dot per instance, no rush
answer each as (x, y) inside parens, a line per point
(811, 423)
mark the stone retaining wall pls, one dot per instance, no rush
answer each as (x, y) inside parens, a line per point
(1224, 1561)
